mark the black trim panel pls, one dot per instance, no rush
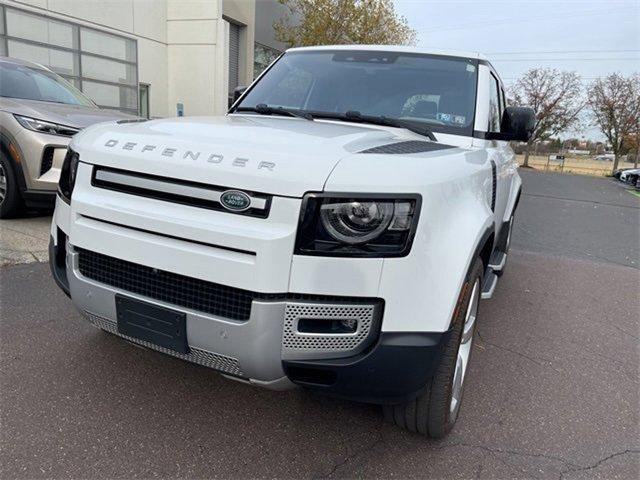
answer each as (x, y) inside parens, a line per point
(397, 369)
(45, 199)
(57, 262)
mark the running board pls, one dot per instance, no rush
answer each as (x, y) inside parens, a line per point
(489, 285)
(498, 259)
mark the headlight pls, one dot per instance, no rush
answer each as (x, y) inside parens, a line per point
(68, 174)
(357, 226)
(46, 127)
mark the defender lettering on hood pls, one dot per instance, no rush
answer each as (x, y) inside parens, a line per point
(188, 154)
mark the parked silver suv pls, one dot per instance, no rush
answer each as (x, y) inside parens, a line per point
(39, 112)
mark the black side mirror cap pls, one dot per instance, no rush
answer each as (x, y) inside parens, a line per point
(517, 124)
(519, 121)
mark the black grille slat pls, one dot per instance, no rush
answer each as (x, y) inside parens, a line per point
(180, 290)
(409, 146)
(164, 194)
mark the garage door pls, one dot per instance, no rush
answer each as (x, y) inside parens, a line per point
(234, 57)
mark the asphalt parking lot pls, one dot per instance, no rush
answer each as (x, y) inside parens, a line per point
(553, 392)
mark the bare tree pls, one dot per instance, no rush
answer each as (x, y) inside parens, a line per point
(615, 104)
(556, 99)
(332, 22)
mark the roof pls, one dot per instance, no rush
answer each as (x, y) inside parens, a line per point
(393, 48)
(17, 61)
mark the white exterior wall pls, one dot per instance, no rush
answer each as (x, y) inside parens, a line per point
(181, 45)
(194, 56)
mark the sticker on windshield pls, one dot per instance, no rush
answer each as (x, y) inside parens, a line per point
(452, 119)
(471, 68)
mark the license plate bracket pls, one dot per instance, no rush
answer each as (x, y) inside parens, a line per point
(152, 323)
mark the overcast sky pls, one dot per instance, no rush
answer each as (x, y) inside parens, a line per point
(591, 37)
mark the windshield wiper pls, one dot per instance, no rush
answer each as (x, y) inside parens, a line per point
(354, 116)
(264, 109)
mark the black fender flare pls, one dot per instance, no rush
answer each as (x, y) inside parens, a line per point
(6, 140)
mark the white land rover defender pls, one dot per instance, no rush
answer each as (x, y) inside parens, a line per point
(335, 230)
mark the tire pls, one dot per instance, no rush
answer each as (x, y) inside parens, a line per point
(434, 413)
(10, 200)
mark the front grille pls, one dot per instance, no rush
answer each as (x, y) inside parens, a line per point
(183, 192)
(201, 357)
(180, 290)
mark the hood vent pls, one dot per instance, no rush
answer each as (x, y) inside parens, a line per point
(409, 146)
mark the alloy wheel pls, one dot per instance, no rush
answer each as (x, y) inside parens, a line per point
(3, 184)
(464, 351)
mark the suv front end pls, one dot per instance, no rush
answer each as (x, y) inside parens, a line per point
(308, 237)
(265, 297)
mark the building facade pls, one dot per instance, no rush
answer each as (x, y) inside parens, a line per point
(155, 58)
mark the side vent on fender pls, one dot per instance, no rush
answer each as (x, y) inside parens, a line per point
(408, 146)
(493, 185)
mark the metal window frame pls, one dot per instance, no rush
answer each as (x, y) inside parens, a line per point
(148, 102)
(78, 53)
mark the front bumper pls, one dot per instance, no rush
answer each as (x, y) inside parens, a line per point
(265, 350)
(43, 155)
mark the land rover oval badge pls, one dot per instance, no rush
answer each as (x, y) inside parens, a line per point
(235, 200)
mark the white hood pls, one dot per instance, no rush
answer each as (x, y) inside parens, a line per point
(276, 155)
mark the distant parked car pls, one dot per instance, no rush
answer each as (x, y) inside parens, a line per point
(630, 176)
(39, 112)
(617, 173)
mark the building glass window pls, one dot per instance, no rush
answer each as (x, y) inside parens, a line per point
(60, 61)
(102, 65)
(107, 45)
(262, 58)
(41, 29)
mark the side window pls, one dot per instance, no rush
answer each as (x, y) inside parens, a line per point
(494, 105)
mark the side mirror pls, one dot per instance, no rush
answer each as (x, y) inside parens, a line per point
(518, 123)
(237, 93)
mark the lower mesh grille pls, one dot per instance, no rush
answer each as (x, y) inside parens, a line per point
(180, 290)
(201, 357)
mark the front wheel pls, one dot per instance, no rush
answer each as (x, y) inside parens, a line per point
(10, 200)
(435, 412)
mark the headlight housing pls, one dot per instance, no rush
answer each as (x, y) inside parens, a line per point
(68, 174)
(46, 127)
(355, 225)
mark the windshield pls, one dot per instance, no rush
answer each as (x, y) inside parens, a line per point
(438, 92)
(21, 81)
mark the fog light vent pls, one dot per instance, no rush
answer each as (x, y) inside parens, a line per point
(329, 327)
(323, 330)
